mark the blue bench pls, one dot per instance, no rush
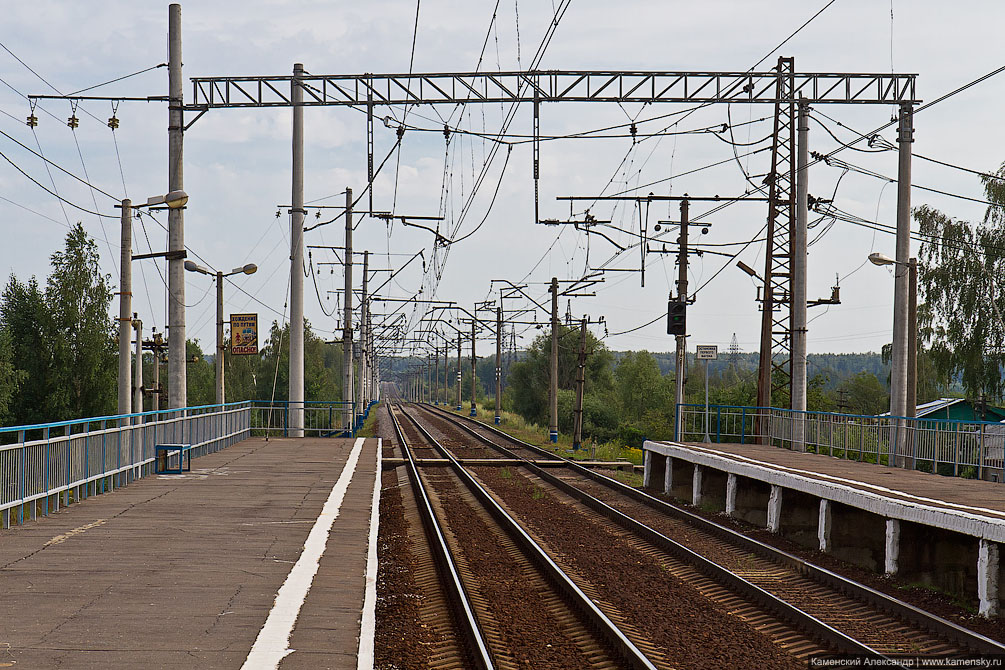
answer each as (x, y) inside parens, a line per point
(184, 452)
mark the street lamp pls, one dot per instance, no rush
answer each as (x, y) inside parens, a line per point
(248, 269)
(911, 374)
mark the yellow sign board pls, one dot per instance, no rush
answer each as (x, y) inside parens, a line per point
(243, 334)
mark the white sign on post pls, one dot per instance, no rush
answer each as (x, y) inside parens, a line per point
(708, 352)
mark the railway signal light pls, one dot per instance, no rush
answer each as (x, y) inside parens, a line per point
(676, 322)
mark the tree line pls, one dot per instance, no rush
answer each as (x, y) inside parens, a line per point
(59, 350)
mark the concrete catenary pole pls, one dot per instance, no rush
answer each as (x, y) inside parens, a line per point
(912, 340)
(474, 367)
(459, 406)
(898, 377)
(296, 390)
(799, 263)
(553, 376)
(436, 374)
(347, 394)
(681, 367)
(177, 377)
(363, 354)
(220, 392)
(577, 432)
(499, 324)
(125, 307)
(138, 368)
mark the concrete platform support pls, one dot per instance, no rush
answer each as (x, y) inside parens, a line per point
(696, 486)
(891, 563)
(775, 509)
(682, 488)
(730, 494)
(987, 578)
(668, 477)
(655, 470)
(800, 518)
(824, 525)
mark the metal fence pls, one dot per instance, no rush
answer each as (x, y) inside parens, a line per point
(972, 449)
(45, 466)
(320, 418)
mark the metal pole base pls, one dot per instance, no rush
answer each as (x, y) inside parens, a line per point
(554, 436)
(458, 408)
(498, 419)
(474, 412)
(576, 446)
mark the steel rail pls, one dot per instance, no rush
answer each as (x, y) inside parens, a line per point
(563, 582)
(795, 616)
(456, 593)
(933, 623)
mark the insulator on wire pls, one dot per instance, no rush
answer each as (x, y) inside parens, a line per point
(73, 121)
(32, 121)
(113, 123)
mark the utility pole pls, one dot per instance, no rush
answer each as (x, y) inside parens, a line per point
(499, 325)
(459, 371)
(553, 377)
(681, 366)
(138, 368)
(912, 340)
(474, 365)
(177, 359)
(347, 394)
(436, 374)
(220, 346)
(899, 372)
(577, 434)
(125, 307)
(360, 393)
(296, 393)
(797, 305)
(446, 372)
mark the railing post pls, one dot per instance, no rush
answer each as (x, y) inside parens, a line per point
(743, 425)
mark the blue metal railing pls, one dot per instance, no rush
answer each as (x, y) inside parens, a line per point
(43, 466)
(944, 446)
(321, 418)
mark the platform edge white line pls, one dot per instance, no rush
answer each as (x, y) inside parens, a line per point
(368, 623)
(270, 646)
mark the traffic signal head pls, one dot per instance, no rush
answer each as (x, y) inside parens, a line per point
(676, 312)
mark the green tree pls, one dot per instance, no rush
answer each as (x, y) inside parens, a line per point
(640, 386)
(82, 336)
(200, 376)
(529, 379)
(962, 274)
(24, 322)
(10, 379)
(866, 394)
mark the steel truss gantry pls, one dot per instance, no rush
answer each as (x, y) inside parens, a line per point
(782, 87)
(552, 86)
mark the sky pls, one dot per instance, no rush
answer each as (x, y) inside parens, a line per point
(238, 161)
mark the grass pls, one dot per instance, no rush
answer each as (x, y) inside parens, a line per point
(515, 425)
(370, 425)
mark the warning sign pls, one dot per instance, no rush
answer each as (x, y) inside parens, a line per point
(243, 334)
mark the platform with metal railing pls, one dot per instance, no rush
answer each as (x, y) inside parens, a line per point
(972, 449)
(46, 466)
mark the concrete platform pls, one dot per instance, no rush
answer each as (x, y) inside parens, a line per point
(944, 531)
(183, 571)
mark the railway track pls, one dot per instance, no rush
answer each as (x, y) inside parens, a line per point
(775, 592)
(512, 607)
